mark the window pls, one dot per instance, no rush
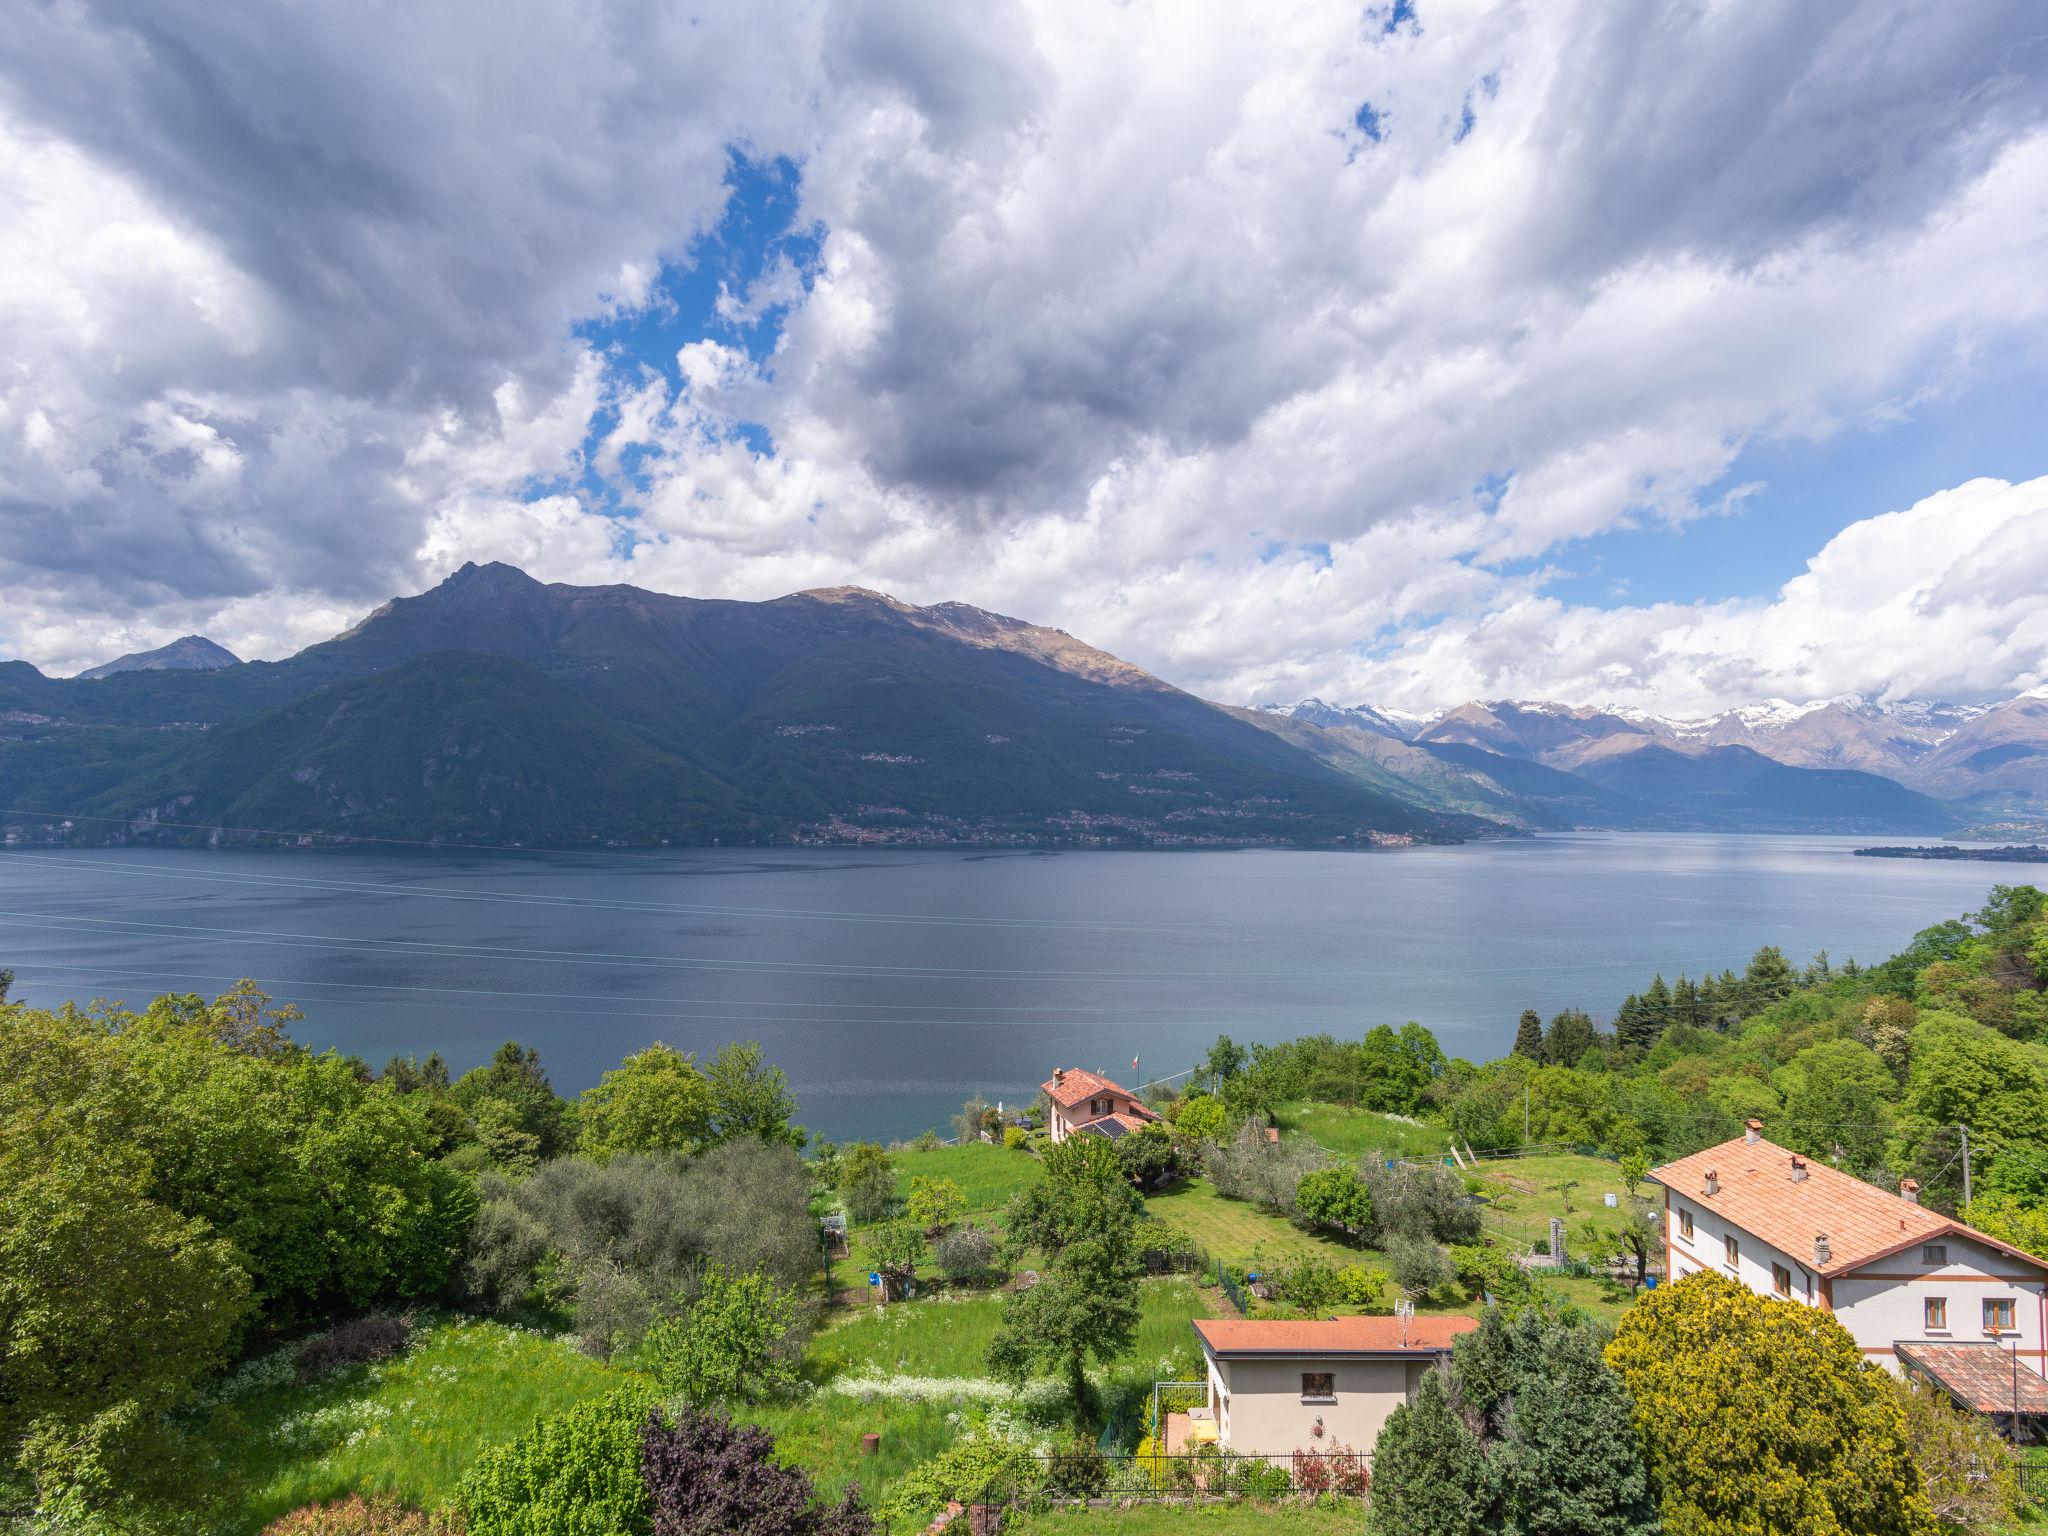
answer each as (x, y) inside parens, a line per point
(1685, 1225)
(1781, 1280)
(1998, 1314)
(1318, 1387)
(1934, 1253)
(1734, 1249)
(1937, 1314)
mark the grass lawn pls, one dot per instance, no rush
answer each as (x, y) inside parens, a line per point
(409, 1426)
(949, 1338)
(1525, 1192)
(1357, 1132)
(1239, 1233)
(987, 1174)
(1334, 1518)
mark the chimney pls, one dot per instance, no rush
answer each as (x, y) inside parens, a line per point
(1798, 1168)
(1059, 1077)
(1910, 1191)
(1753, 1131)
(1822, 1253)
(1713, 1186)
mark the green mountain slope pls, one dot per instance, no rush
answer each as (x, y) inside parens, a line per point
(497, 708)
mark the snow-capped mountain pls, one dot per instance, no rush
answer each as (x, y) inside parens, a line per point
(1987, 755)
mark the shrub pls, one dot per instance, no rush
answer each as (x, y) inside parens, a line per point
(927, 1141)
(1334, 1198)
(575, 1473)
(704, 1474)
(359, 1341)
(981, 1467)
(1359, 1285)
(1420, 1266)
(867, 1181)
(1078, 1472)
(1013, 1137)
(966, 1255)
(357, 1516)
(732, 1343)
(1333, 1468)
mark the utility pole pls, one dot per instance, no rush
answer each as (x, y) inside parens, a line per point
(1525, 1114)
(1966, 1162)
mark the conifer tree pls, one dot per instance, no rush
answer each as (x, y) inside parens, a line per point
(1430, 1476)
(1529, 1036)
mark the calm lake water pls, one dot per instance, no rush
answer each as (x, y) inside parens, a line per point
(891, 985)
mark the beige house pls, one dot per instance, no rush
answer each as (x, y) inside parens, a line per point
(1276, 1387)
(1916, 1289)
(1087, 1101)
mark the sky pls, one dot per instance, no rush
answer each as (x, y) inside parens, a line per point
(1673, 355)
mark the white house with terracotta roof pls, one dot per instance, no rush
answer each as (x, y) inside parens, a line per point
(1087, 1101)
(1280, 1386)
(1915, 1288)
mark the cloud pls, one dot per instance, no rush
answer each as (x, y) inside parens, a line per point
(1117, 319)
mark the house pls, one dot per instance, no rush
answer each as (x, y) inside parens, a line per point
(1916, 1289)
(1085, 1101)
(1278, 1386)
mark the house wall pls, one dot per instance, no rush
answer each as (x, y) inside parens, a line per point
(1260, 1410)
(1883, 1302)
(1707, 1250)
(1063, 1122)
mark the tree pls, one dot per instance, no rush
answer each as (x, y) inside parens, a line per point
(965, 1254)
(1149, 1156)
(1310, 1286)
(514, 1092)
(1200, 1117)
(1969, 1470)
(6, 984)
(892, 1251)
(1334, 1198)
(655, 1101)
(1761, 1415)
(730, 1343)
(867, 1181)
(1569, 1038)
(706, 1476)
(1565, 1462)
(935, 1203)
(976, 1121)
(1419, 1265)
(1429, 1474)
(1529, 1036)
(1224, 1061)
(749, 1099)
(1768, 977)
(1083, 1217)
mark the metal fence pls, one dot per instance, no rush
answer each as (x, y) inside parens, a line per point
(1077, 1477)
(1233, 1290)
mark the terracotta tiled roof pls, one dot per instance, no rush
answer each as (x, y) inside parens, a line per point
(1758, 1194)
(1336, 1336)
(1980, 1376)
(1078, 1085)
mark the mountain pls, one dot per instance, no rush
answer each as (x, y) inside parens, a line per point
(193, 653)
(496, 708)
(1546, 765)
(1997, 761)
(1738, 789)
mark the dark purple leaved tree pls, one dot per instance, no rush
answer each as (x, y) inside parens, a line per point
(709, 1477)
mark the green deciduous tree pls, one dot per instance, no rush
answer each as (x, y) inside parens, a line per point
(653, 1101)
(750, 1099)
(730, 1343)
(1762, 1415)
(935, 1203)
(1970, 1472)
(867, 1181)
(575, 1473)
(1083, 1217)
(513, 1095)
(1334, 1198)
(1200, 1117)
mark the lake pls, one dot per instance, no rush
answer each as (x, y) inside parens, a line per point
(891, 985)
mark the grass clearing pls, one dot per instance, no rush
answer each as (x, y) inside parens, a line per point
(988, 1175)
(408, 1427)
(1242, 1234)
(1329, 1518)
(1525, 1192)
(1358, 1132)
